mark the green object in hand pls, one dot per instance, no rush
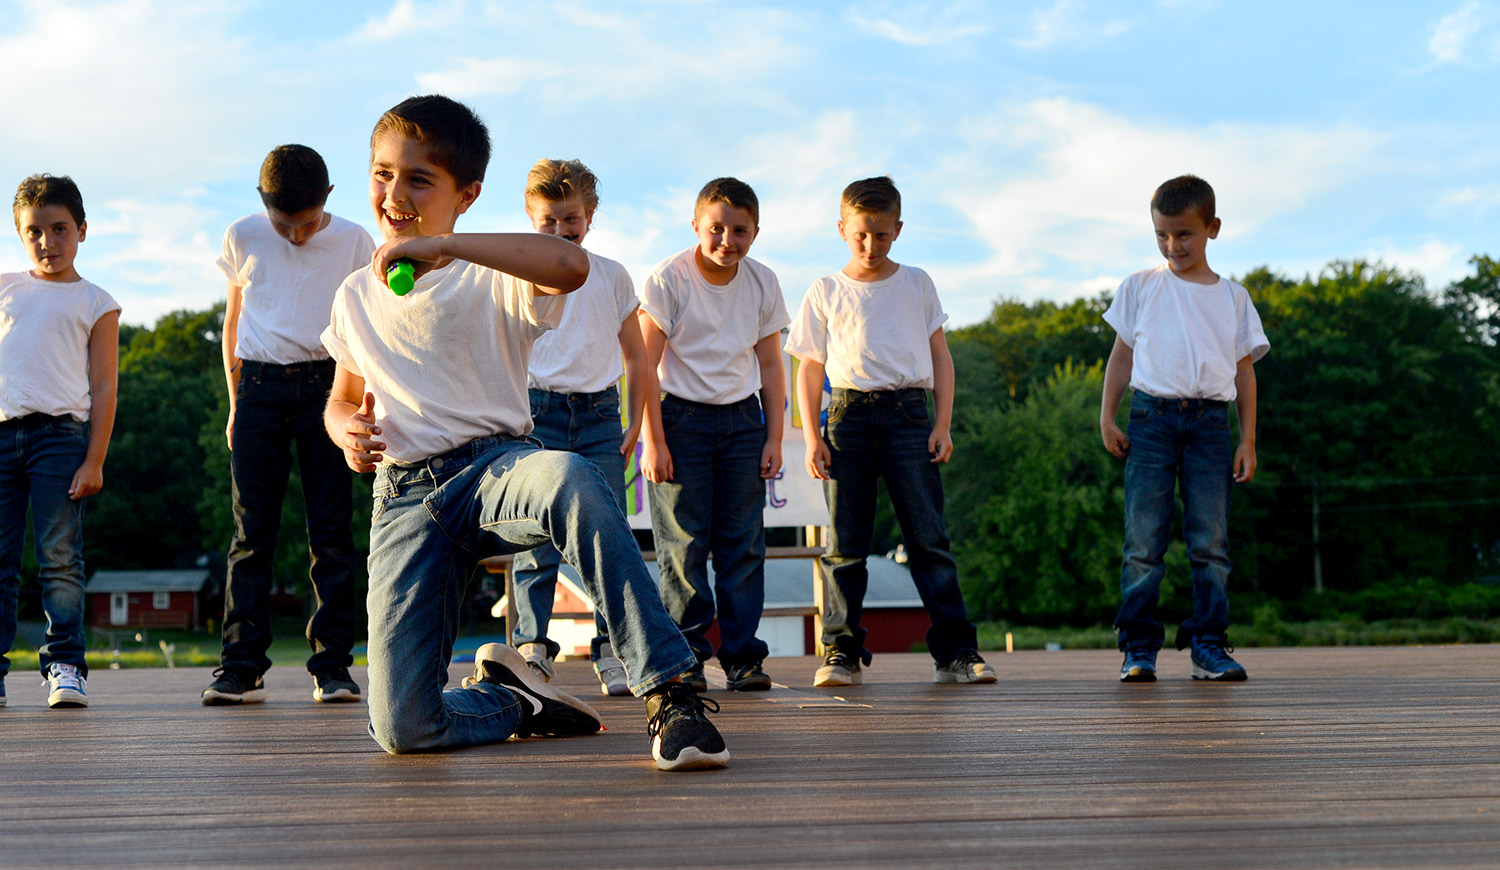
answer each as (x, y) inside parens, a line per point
(401, 276)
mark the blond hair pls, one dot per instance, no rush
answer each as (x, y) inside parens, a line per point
(556, 180)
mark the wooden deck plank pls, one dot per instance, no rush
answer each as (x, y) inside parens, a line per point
(1325, 758)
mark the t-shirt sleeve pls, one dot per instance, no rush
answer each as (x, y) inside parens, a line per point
(103, 304)
(1122, 311)
(231, 259)
(364, 250)
(625, 301)
(773, 316)
(656, 299)
(333, 337)
(1251, 338)
(808, 338)
(932, 307)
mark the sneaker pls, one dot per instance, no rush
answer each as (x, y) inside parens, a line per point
(1139, 666)
(694, 678)
(968, 667)
(67, 687)
(538, 659)
(746, 678)
(545, 711)
(611, 672)
(839, 669)
(234, 686)
(334, 685)
(1211, 660)
(682, 738)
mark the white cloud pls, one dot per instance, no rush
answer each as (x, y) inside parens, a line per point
(1066, 23)
(1454, 32)
(1439, 263)
(160, 256)
(919, 24)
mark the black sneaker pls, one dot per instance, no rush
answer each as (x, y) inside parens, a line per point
(682, 738)
(234, 686)
(334, 685)
(746, 678)
(694, 678)
(545, 711)
(839, 669)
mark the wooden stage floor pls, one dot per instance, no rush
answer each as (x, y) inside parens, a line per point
(1384, 757)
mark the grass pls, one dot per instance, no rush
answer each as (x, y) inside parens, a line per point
(189, 650)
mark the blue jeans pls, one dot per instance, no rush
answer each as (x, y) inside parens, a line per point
(713, 505)
(432, 524)
(884, 434)
(1175, 442)
(275, 407)
(587, 424)
(39, 454)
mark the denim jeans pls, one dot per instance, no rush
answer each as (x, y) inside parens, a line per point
(276, 407)
(432, 524)
(1175, 442)
(713, 505)
(39, 454)
(884, 434)
(587, 424)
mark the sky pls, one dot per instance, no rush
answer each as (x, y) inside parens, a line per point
(1026, 137)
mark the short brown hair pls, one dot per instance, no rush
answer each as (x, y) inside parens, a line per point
(43, 190)
(1183, 193)
(556, 180)
(729, 191)
(455, 136)
(293, 178)
(876, 195)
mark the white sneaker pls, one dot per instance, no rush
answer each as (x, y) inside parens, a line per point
(611, 672)
(536, 656)
(67, 686)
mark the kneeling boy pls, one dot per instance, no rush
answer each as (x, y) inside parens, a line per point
(430, 393)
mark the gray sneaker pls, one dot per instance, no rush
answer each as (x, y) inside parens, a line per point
(611, 672)
(540, 660)
(966, 667)
(839, 669)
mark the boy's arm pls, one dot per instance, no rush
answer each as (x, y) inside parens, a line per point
(1116, 379)
(104, 369)
(554, 265)
(349, 420)
(940, 442)
(1244, 403)
(772, 402)
(810, 375)
(232, 362)
(640, 379)
(656, 459)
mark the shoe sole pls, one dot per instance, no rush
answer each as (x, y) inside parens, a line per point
(945, 677)
(503, 656)
(67, 698)
(750, 684)
(1237, 676)
(225, 699)
(823, 680)
(337, 696)
(690, 758)
(1138, 675)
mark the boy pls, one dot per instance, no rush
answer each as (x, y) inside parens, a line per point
(1186, 342)
(574, 402)
(430, 393)
(59, 354)
(283, 267)
(712, 320)
(875, 329)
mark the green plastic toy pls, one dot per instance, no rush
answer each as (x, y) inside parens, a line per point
(401, 276)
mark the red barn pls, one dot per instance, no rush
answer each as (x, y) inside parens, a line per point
(147, 599)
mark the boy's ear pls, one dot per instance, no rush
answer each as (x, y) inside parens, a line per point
(1213, 229)
(841, 229)
(83, 230)
(897, 234)
(467, 196)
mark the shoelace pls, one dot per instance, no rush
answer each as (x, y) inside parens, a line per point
(969, 657)
(840, 659)
(1214, 650)
(64, 678)
(681, 702)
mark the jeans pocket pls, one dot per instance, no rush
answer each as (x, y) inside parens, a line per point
(672, 415)
(1140, 415)
(914, 409)
(73, 429)
(608, 409)
(836, 411)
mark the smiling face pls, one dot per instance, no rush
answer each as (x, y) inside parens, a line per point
(869, 236)
(410, 194)
(51, 238)
(725, 233)
(567, 218)
(1183, 240)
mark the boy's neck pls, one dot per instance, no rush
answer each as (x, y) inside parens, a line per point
(1199, 274)
(69, 277)
(859, 272)
(712, 272)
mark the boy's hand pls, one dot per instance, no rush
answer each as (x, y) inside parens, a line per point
(1244, 463)
(631, 436)
(87, 480)
(425, 252)
(770, 459)
(1115, 441)
(361, 451)
(229, 428)
(940, 445)
(818, 458)
(656, 462)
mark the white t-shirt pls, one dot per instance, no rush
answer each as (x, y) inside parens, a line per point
(44, 345)
(447, 361)
(582, 355)
(1187, 338)
(711, 330)
(288, 289)
(870, 335)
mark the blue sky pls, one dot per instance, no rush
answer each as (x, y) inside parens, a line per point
(1026, 136)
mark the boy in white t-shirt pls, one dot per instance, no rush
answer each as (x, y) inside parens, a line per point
(875, 329)
(712, 319)
(430, 394)
(283, 266)
(1186, 344)
(59, 354)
